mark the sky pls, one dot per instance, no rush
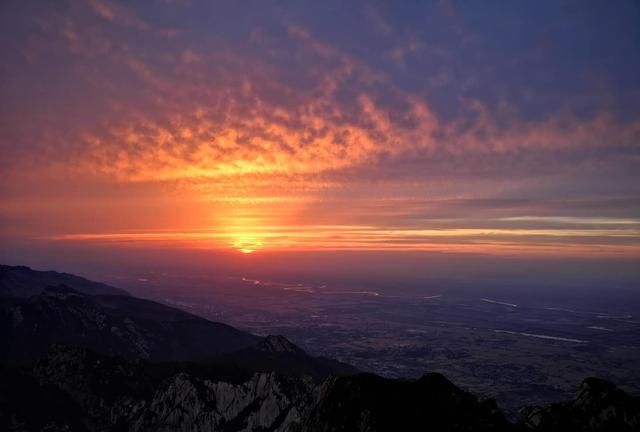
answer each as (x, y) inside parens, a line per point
(502, 128)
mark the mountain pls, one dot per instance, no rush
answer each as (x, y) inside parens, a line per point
(80, 390)
(21, 281)
(368, 402)
(114, 324)
(76, 360)
(598, 406)
(132, 328)
(75, 389)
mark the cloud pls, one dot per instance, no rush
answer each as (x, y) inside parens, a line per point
(103, 9)
(251, 108)
(218, 112)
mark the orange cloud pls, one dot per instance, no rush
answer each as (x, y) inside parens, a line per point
(275, 149)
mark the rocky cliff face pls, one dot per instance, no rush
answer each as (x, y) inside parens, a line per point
(265, 402)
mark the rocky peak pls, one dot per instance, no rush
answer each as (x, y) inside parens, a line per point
(598, 406)
(595, 391)
(264, 402)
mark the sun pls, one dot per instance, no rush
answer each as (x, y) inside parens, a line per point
(247, 244)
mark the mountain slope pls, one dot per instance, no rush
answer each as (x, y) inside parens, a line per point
(21, 281)
(132, 328)
(112, 324)
(278, 354)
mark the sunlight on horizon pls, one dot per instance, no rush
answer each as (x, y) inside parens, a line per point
(247, 244)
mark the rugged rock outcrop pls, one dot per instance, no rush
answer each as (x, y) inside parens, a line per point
(598, 406)
(89, 391)
(79, 390)
(267, 401)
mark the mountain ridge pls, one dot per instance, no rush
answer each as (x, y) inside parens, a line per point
(23, 281)
(136, 328)
(114, 324)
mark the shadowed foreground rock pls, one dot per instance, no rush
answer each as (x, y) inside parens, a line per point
(370, 403)
(80, 390)
(598, 406)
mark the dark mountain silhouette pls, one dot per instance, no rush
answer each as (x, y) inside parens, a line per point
(135, 328)
(598, 406)
(27, 405)
(80, 390)
(21, 281)
(368, 402)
